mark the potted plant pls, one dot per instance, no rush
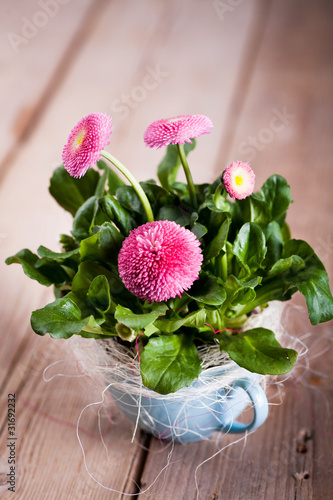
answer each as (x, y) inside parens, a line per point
(165, 277)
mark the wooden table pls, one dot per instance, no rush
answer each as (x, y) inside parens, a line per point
(262, 71)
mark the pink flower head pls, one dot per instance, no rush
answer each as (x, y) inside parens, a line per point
(86, 142)
(159, 260)
(176, 130)
(238, 180)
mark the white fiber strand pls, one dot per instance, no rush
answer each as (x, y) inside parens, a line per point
(118, 367)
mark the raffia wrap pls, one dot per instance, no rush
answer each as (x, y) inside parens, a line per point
(111, 363)
(108, 362)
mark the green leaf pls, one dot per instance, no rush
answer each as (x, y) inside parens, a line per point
(196, 319)
(103, 246)
(88, 270)
(168, 168)
(269, 204)
(61, 319)
(276, 192)
(249, 247)
(243, 296)
(213, 216)
(174, 213)
(150, 330)
(258, 351)
(289, 266)
(285, 231)
(253, 209)
(127, 197)
(117, 214)
(99, 294)
(313, 284)
(274, 243)
(218, 242)
(311, 281)
(208, 289)
(58, 256)
(68, 243)
(68, 259)
(240, 292)
(85, 219)
(180, 188)
(158, 197)
(217, 222)
(138, 321)
(199, 230)
(302, 249)
(95, 329)
(169, 362)
(71, 193)
(47, 272)
(114, 181)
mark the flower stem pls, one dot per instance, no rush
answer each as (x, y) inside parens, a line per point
(101, 184)
(221, 265)
(220, 198)
(139, 191)
(188, 174)
(218, 192)
(224, 265)
(267, 292)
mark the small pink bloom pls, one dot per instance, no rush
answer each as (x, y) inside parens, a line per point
(238, 180)
(176, 130)
(86, 142)
(159, 260)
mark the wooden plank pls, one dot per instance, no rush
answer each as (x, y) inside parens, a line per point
(39, 41)
(287, 457)
(156, 44)
(201, 73)
(202, 67)
(34, 448)
(36, 158)
(47, 414)
(286, 122)
(39, 156)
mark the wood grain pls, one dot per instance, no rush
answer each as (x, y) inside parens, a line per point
(29, 75)
(243, 67)
(287, 71)
(293, 78)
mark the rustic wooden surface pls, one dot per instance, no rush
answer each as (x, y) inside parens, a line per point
(262, 71)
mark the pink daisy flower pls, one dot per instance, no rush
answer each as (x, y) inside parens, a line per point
(85, 143)
(176, 130)
(159, 260)
(238, 180)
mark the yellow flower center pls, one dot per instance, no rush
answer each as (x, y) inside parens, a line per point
(79, 140)
(239, 180)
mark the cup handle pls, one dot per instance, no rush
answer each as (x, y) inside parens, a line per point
(259, 405)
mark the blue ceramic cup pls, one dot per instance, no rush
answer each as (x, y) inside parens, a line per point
(199, 411)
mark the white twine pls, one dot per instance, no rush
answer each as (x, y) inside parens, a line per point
(113, 490)
(111, 363)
